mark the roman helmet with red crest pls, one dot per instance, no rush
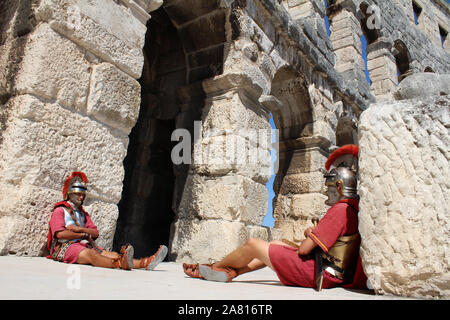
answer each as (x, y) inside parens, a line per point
(75, 183)
(342, 167)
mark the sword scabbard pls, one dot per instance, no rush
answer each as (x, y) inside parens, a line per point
(318, 263)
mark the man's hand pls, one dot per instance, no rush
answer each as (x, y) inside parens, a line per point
(306, 246)
(75, 228)
(308, 231)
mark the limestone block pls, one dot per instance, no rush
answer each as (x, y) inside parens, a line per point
(24, 215)
(104, 214)
(197, 241)
(303, 183)
(309, 160)
(308, 206)
(54, 68)
(138, 10)
(42, 144)
(293, 229)
(404, 188)
(110, 31)
(237, 66)
(219, 155)
(422, 85)
(114, 97)
(232, 198)
(11, 53)
(281, 207)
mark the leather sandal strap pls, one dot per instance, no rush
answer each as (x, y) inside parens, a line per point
(144, 262)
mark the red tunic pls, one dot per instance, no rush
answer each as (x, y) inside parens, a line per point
(57, 223)
(294, 270)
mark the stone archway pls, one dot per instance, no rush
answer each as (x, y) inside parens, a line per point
(402, 60)
(145, 208)
(184, 45)
(298, 184)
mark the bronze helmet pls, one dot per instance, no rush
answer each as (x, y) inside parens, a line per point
(346, 177)
(76, 182)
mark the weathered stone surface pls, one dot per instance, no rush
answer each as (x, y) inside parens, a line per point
(231, 197)
(104, 214)
(308, 206)
(302, 183)
(421, 85)
(108, 31)
(404, 189)
(40, 134)
(303, 161)
(293, 229)
(24, 216)
(114, 97)
(227, 153)
(198, 241)
(54, 68)
(37, 155)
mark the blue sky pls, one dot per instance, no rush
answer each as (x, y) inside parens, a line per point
(269, 220)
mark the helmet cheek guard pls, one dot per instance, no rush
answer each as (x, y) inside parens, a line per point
(344, 177)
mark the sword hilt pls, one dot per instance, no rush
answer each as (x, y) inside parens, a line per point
(315, 221)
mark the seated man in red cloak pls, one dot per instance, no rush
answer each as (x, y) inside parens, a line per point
(329, 255)
(72, 233)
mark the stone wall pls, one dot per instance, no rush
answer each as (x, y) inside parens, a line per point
(69, 100)
(404, 189)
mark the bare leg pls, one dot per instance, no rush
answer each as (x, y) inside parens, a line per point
(242, 257)
(115, 256)
(256, 264)
(90, 256)
(110, 254)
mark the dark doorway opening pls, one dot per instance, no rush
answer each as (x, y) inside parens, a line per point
(145, 209)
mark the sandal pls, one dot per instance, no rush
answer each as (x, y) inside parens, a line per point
(149, 263)
(192, 270)
(225, 274)
(125, 260)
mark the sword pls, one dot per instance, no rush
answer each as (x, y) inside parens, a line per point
(318, 262)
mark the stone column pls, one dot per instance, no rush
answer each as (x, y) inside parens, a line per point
(382, 69)
(345, 36)
(224, 200)
(299, 185)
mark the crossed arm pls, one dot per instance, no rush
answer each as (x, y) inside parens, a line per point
(74, 232)
(307, 245)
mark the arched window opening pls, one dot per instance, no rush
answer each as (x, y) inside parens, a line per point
(443, 34)
(417, 10)
(428, 69)
(402, 59)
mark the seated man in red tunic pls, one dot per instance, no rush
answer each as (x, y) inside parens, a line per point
(72, 234)
(334, 241)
